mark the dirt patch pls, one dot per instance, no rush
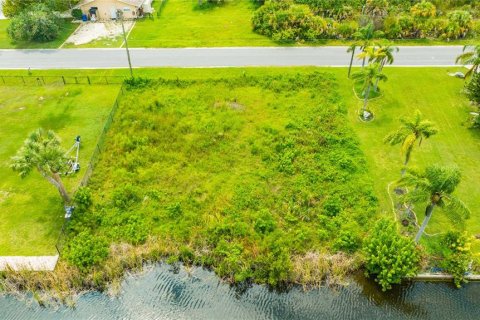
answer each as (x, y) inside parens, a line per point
(230, 104)
(91, 31)
(4, 195)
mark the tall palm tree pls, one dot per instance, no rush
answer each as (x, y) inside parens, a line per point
(368, 54)
(384, 55)
(42, 151)
(366, 77)
(351, 49)
(365, 36)
(412, 130)
(435, 186)
(470, 56)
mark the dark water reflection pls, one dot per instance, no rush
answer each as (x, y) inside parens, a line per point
(162, 294)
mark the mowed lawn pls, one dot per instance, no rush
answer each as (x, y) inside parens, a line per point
(31, 211)
(7, 43)
(439, 97)
(183, 24)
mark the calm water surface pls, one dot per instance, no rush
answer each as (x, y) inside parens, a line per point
(163, 294)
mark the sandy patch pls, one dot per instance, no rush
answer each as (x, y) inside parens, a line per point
(90, 31)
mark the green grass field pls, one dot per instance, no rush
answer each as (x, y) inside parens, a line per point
(430, 90)
(183, 24)
(30, 209)
(7, 43)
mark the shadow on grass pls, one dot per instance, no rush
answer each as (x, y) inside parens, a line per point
(55, 121)
(204, 5)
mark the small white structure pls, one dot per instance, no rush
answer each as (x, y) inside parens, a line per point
(2, 16)
(107, 9)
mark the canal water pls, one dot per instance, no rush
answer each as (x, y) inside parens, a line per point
(161, 293)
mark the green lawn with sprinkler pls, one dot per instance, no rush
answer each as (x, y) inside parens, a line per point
(30, 209)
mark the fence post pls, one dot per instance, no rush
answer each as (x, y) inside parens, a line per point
(23, 79)
(88, 78)
(106, 80)
(43, 80)
(76, 80)
(64, 82)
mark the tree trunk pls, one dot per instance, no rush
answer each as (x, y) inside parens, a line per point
(351, 62)
(404, 169)
(57, 182)
(365, 101)
(428, 215)
(378, 79)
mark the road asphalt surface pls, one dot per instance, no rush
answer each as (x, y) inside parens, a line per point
(214, 57)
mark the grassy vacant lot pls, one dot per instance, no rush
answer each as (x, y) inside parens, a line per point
(7, 43)
(183, 24)
(248, 175)
(31, 213)
(430, 90)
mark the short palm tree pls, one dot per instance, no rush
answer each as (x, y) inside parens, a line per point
(435, 186)
(412, 130)
(470, 56)
(366, 77)
(42, 151)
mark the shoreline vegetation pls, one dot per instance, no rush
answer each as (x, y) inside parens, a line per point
(153, 215)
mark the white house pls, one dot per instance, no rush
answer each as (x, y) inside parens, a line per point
(107, 9)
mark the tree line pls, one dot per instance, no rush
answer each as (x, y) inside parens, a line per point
(35, 20)
(310, 20)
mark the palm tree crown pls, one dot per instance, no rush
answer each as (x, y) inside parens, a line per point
(435, 186)
(411, 131)
(42, 151)
(470, 56)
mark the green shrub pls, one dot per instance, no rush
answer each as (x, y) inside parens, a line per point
(37, 23)
(332, 206)
(459, 24)
(126, 196)
(265, 223)
(83, 199)
(86, 250)
(77, 14)
(347, 241)
(345, 30)
(286, 21)
(472, 89)
(457, 255)
(389, 256)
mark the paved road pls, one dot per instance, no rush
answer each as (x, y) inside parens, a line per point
(212, 57)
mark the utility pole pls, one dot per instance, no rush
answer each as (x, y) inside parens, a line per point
(120, 17)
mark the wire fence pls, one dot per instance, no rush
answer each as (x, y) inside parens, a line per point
(60, 80)
(99, 148)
